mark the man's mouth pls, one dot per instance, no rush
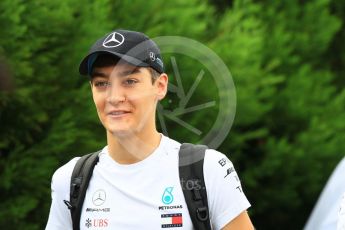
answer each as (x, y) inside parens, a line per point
(118, 113)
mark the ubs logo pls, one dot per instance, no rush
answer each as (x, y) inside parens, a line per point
(99, 197)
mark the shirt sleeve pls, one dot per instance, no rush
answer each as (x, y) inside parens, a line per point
(59, 215)
(226, 199)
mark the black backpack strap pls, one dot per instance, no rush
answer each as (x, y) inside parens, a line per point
(80, 179)
(191, 162)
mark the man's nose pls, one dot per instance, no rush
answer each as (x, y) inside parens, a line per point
(115, 93)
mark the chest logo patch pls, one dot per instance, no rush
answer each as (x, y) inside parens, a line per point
(167, 197)
(99, 197)
(171, 220)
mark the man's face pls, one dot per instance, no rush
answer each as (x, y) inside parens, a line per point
(126, 98)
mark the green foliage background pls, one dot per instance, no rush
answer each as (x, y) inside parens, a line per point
(287, 60)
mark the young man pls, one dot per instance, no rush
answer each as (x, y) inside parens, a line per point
(136, 180)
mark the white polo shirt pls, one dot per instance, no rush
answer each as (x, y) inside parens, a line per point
(147, 194)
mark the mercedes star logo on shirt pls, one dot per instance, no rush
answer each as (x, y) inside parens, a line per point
(113, 40)
(99, 197)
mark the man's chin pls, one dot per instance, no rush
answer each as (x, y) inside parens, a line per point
(121, 133)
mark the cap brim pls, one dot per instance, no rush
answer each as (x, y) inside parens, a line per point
(84, 69)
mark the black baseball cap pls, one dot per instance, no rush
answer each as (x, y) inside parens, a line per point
(133, 47)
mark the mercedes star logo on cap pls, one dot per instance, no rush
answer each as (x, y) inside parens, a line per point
(152, 56)
(113, 40)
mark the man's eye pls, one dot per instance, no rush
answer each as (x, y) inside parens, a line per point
(130, 81)
(101, 84)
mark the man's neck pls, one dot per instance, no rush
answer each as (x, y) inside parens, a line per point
(132, 148)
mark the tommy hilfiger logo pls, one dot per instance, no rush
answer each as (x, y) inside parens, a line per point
(171, 220)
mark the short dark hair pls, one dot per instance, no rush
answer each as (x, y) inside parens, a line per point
(105, 60)
(154, 74)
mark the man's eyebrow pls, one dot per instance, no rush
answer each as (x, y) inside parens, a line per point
(99, 74)
(123, 73)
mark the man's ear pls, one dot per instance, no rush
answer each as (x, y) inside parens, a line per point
(162, 85)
